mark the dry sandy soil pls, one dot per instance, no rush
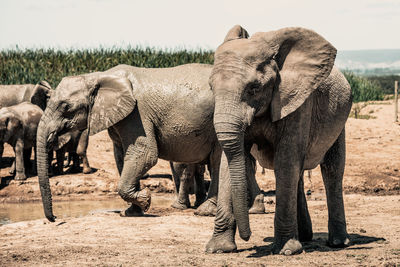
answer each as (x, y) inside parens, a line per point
(171, 238)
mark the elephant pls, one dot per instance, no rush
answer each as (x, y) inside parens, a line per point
(75, 143)
(18, 126)
(188, 178)
(11, 95)
(279, 98)
(149, 113)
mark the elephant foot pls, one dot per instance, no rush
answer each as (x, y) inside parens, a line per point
(291, 247)
(258, 205)
(12, 171)
(199, 200)
(143, 199)
(87, 170)
(208, 208)
(338, 237)
(132, 211)
(180, 206)
(222, 243)
(338, 241)
(74, 169)
(20, 176)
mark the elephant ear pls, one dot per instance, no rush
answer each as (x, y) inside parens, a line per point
(62, 140)
(237, 32)
(112, 100)
(305, 59)
(41, 94)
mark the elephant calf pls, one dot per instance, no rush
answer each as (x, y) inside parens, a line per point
(11, 95)
(18, 125)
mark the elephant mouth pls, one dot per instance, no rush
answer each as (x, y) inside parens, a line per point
(52, 140)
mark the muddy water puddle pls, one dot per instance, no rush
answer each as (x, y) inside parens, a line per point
(16, 212)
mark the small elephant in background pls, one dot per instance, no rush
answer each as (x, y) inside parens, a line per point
(11, 95)
(18, 126)
(75, 143)
(188, 178)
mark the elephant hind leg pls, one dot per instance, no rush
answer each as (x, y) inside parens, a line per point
(303, 216)
(200, 189)
(209, 207)
(182, 174)
(81, 151)
(256, 197)
(332, 170)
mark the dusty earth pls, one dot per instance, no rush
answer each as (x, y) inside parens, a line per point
(168, 237)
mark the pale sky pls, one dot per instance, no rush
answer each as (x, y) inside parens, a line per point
(347, 24)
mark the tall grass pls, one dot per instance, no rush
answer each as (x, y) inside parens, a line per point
(363, 89)
(31, 66)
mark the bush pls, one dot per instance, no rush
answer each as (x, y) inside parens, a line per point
(363, 89)
(31, 66)
(386, 82)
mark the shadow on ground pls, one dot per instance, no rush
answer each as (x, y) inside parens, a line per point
(319, 243)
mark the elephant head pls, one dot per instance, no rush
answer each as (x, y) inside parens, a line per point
(266, 76)
(41, 94)
(94, 101)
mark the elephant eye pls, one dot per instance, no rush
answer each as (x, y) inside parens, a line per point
(253, 88)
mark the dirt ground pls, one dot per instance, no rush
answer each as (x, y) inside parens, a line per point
(168, 237)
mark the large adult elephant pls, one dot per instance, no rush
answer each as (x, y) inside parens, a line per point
(149, 113)
(279, 93)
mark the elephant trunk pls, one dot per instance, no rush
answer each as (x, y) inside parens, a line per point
(42, 168)
(229, 127)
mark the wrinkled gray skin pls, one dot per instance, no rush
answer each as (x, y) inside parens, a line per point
(278, 95)
(11, 95)
(75, 143)
(188, 178)
(18, 125)
(149, 113)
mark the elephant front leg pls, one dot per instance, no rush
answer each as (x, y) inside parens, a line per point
(139, 158)
(332, 170)
(223, 238)
(287, 174)
(19, 160)
(1, 152)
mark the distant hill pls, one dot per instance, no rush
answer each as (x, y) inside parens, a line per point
(370, 62)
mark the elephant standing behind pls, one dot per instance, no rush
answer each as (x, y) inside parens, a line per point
(149, 113)
(188, 178)
(18, 126)
(11, 95)
(279, 97)
(75, 143)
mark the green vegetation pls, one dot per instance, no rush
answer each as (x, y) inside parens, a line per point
(31, 66)
(363, 89)
(386, 82)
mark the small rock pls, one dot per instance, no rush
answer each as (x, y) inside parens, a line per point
(362, 231)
